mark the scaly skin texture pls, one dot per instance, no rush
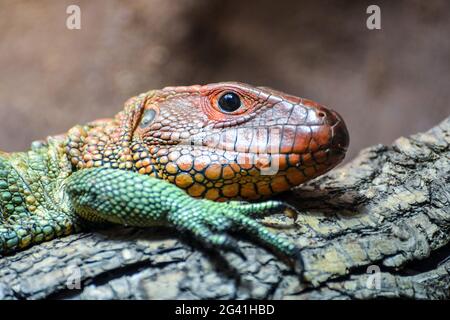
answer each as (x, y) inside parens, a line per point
(118, 170)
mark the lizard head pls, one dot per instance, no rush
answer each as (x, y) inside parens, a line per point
(226, 140)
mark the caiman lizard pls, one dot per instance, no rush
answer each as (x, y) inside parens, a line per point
(175, 157)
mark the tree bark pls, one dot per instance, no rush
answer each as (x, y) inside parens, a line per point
(377, 227)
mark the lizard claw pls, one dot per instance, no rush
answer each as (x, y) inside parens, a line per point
(299, 265)
(291, 212)
(232, 246)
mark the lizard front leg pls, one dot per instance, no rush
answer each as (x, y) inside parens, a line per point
(129, 198)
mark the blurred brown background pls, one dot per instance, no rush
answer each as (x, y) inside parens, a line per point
(386, 83)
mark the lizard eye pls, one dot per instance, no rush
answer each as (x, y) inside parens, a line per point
(148, 117)
(229, 102)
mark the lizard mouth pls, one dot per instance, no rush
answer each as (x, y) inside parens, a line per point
(301, 151)
(317, 129)
(331, 138)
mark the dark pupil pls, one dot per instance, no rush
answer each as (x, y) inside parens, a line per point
(229, 102)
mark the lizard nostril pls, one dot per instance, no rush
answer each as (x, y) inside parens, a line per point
(321, 114)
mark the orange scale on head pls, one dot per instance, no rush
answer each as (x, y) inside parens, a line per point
(214, 171)
(201, 162)
(313, 145)
(166, 135)
(212, 194)
(263, 188)
(293, 159)
(322, 135)
(231, 190)
(295, 176)
(163, 160)
(307, 160)
(196, 190)
(245, 161)
(279, 184)
(248, 191)
(309, 171)
(218, 184)
(227, 172)
(320, 156)
(199, 177)
(302, 139)
(155, 126)
(254, 172)
(143, 154)
(185, 162)
(236, 168)
(162, 152)
(136, 147)
(183, 180)
(146, 162)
